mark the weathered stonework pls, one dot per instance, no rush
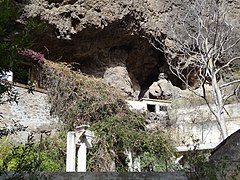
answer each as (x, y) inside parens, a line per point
(225, 158)
(198, 123)
(31, 111)
(189, 126)
(183, 124)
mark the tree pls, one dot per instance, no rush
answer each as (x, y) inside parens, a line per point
(9, 13)
(202, 50)
(13, 36)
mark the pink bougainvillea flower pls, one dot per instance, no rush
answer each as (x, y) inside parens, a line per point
(38, 56)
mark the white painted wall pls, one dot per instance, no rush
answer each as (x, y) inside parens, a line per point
(8, 75)
(137, 105)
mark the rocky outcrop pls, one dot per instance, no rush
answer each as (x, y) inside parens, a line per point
(104, 35)
(73, 16)
(118, 77)
(225, 158)
(163, 89)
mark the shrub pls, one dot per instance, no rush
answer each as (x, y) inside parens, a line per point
(32, 157)
(79, 99)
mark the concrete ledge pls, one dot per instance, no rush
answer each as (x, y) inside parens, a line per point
(26, 87)
(198, 147)
(100, 176)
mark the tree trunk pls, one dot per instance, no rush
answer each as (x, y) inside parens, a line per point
(222, 123)
(217, 95)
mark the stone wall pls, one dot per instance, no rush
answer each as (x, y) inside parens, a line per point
(32, 110)
(198, 123)
(190, 125)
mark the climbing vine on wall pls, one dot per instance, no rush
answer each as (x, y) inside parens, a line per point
(79, 99)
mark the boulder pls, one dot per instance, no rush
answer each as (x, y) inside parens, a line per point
(155, 91)
(162, 89)
(119, 78)
(225, 158)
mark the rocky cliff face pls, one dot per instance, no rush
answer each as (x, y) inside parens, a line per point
(111, 38)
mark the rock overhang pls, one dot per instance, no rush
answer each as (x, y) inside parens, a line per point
(108, 33)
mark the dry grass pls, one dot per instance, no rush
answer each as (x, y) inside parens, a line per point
(77, 98)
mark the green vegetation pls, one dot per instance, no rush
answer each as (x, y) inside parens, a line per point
(33, 156)
(14, 35)
(9, 13)
(197, 166)
(79, 99)
(127, 132)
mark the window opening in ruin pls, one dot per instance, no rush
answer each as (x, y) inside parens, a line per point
(27, 73)
(151, 108)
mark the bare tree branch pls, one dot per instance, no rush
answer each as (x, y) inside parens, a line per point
(230, 83)
(227, 64)
(201, 42)
(225, 98)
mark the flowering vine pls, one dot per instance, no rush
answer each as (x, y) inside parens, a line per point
(32, 54)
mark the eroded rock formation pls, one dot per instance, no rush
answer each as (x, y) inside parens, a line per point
(112, 38)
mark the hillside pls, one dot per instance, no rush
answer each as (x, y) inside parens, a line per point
(148, 76)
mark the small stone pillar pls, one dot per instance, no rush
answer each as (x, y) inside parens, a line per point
(81, 139)
(130, 161)
(71, 152)
(157, 109)
(133, 163)
(82, 157)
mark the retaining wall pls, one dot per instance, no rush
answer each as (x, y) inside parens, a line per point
(32, 111)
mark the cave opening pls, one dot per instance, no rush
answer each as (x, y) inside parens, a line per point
(94, 51)
(144, 64)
